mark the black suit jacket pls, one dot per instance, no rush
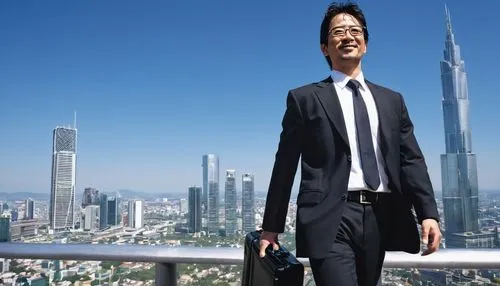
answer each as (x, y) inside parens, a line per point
(314, 130)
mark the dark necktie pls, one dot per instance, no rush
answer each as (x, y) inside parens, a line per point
(365, 143)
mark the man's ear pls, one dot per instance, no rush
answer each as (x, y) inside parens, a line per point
(324, 49)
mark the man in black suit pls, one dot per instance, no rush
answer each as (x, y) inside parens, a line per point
(362, 171)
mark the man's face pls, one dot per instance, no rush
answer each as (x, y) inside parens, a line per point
(346, 42)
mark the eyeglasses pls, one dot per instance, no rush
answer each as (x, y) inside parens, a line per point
(339, 32)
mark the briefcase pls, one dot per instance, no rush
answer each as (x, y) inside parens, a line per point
(277, 268)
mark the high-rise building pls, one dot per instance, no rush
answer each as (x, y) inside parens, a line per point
(4, 228)
(90, 197)
(211, 191)
(113, 211)
(29, 209)
(458, 164)
(248, 203)
(230, 202)
(103, 211)
(62, 195)
(136, 213)
(194, 202)
(14, 214)
(183, 206)
(480, 239)
(91, 221)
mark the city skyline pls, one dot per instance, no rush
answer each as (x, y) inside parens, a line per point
(160, 85)
(148, 109)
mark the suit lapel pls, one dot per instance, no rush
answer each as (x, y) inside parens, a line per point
(384, 110)
(329, 100)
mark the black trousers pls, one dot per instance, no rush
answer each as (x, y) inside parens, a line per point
(357, 255)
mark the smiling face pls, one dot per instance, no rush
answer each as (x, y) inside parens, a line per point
(346, 44)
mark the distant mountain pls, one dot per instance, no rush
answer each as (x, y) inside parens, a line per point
(19, 196)
(126, 194)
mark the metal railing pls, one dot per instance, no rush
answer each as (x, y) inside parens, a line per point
(166, 258)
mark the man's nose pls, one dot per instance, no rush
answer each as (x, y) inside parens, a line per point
(348, 35)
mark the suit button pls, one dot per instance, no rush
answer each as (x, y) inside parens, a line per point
(343, 197)
(349, 159)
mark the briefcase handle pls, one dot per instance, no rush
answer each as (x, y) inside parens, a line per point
(281, 252)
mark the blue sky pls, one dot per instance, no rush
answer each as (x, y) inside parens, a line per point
(158, 84)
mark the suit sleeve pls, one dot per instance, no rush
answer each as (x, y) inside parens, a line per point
(285, 167)
(415, 180)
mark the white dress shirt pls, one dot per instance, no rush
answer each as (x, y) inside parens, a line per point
(344, 93)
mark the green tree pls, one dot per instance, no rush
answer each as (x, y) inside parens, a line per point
(75, 278)
(16, 267)
(107, 264)
(142, 275)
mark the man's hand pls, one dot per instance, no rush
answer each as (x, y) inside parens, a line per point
(267, 238)
(431, 235)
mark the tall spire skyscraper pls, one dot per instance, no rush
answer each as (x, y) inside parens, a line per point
(458, 164)
(62, 195)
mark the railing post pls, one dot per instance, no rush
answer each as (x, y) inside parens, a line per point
(166, 274)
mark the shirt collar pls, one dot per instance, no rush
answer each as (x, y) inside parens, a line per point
(341, 79)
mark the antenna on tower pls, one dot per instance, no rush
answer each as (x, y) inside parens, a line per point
(74, 120)
(448, 17)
